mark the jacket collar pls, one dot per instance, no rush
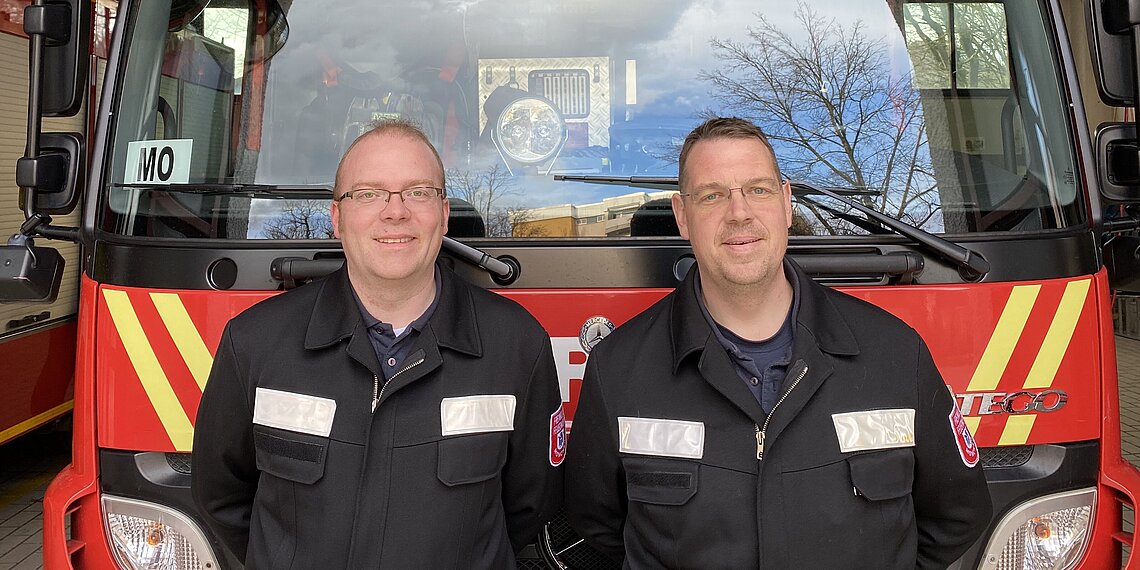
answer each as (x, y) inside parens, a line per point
(336, 316)
(830, 331)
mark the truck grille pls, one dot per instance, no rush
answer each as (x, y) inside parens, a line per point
(571, 552)
(569, 89)
(1012, 456)
(179, 462)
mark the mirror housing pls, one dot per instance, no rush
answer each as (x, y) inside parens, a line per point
(66, 28)
(1110, 42)
(56, 174)
(1118, 162)
(29, 273)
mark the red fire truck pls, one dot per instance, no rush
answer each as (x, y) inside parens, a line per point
(37, 339)
(944, 166)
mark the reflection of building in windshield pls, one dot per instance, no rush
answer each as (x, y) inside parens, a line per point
(636, 214)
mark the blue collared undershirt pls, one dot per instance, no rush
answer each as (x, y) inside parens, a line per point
(392, 346)
(763, 364)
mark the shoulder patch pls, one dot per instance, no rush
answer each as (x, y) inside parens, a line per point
(967, 447)
(557, 436)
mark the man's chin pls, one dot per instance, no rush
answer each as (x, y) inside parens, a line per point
(753, 275)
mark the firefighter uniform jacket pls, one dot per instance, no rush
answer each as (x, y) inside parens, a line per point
(455, 468)
(861, 464)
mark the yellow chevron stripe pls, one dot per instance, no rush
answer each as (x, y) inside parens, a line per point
(1060, 333)
(185, 334)
(1017, 429)
(1004, 339)
(154, 380)
(972, 423)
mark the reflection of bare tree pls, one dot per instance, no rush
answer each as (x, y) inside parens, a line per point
(300, 219)
(483, 189)
(826, 99)
(486, 191)
(513, 222)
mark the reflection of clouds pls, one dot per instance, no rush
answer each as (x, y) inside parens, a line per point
(399, 46)
(670, 64)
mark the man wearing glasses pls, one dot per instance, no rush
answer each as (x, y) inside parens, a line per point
(390, 415)
(756, 419)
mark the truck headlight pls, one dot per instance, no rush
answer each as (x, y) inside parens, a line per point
(1049, 532)
(530, 130)
(150, 536)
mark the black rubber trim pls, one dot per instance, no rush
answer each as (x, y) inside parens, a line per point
(590, 265)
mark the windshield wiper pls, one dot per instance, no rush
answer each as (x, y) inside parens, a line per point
(278, 191)
(505, 271)
(969, 262)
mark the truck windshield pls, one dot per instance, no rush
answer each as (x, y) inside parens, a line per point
(947, 115)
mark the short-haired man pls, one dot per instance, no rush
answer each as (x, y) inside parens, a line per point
(755, 419)
(390, 415)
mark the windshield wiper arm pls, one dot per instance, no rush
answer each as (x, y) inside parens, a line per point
(281, 191)
(969, 262)
(670, 183)
(504, 270)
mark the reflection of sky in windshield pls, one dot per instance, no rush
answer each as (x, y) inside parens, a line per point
(456, 66)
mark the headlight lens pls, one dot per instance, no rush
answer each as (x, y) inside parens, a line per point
(150, 536)
(530, 130)
(1047, 533)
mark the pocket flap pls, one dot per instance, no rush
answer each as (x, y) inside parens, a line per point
(661, 482)
(883, 475)
(471, 458)
(290, 457)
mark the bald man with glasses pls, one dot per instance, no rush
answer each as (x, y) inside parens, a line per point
(390, 415)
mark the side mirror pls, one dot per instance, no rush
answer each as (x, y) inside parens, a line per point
(1118, 162)
(30, 273)
(65, 26)
(56, 174)
(1110, 42)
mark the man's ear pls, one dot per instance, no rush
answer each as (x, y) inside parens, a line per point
(334, 215)
(679, 215)
(788, 201)
(446, 213)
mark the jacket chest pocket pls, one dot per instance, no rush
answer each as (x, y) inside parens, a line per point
(852, 508)
(660, 481)
(471, 458)
(288, 455)
(882, 475)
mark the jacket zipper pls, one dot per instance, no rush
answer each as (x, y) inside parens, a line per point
(378, 390)
(761, 430)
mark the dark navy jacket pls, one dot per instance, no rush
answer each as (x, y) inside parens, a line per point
(383, 489)
(897, 503)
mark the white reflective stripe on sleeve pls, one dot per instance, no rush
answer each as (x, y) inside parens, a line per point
(476, 414)
(294, 412)
(874, 429)
(666, 438)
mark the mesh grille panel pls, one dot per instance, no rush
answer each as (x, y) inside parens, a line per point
(1011, 456)
(179, 462)
(571, 551)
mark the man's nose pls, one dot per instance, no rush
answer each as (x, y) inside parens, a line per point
(739, 208)
(395, 208)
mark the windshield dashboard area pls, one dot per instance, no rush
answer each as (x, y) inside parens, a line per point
(232, 115)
